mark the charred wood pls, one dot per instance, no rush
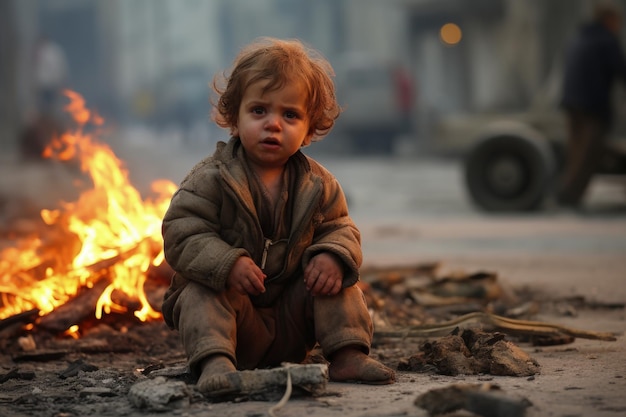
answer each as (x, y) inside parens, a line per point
(26, 317)
(75, 310)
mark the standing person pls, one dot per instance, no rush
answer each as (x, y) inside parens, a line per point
(265, 254)
(50, 74)
(593, 63)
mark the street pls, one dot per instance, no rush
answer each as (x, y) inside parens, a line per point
(412, 210)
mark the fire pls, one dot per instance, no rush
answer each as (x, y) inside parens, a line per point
(110, 233)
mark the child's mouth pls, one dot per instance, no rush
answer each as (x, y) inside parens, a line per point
(270, 142)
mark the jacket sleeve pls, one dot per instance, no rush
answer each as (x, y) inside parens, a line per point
(336, 232)
(191, 233)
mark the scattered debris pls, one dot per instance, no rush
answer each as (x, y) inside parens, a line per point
(15, 373)
(470, 353)
(485, 400)
(460, 288)
(42, 355)
(492, 321)
(181, 372)
(406, 302)
(75, 367)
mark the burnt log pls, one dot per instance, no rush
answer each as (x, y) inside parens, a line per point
(75, 310)
(26, 317)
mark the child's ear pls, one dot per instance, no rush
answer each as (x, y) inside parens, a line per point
(307, 140)
(234, 131)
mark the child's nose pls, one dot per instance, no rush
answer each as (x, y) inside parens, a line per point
(272, 121)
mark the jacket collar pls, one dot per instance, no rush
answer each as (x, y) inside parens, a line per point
(229, 157)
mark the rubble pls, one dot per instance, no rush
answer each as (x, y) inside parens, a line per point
(120, 366)
(15, 373)
(485, 400)
(470, 353)
(75, 367)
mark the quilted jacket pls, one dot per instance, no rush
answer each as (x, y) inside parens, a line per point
(212, 221)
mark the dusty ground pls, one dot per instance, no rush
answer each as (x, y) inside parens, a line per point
(409, 212)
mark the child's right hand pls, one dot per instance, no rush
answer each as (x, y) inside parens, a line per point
(246, 277)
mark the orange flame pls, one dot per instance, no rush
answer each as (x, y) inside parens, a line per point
(118, 234)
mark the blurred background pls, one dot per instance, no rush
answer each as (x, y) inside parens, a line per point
(416, 78)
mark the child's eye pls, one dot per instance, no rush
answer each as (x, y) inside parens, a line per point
(258, 110)
(291, 115)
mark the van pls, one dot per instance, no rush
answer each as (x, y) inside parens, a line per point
(377, 101)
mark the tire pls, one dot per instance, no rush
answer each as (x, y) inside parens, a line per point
(509, 172)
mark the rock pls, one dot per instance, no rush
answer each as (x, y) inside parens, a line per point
(159, 394)
(485, 400)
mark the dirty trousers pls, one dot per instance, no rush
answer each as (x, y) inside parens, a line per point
(227, 323)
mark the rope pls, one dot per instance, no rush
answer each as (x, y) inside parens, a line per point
(285, 397)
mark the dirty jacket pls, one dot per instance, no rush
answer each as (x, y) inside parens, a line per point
(212, 221)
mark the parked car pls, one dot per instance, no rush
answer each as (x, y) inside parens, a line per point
(377, 98)
(183, 97)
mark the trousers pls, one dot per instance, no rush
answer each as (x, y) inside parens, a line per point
(227, 322)
(585, 148)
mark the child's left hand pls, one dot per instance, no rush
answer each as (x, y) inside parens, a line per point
(323, 275)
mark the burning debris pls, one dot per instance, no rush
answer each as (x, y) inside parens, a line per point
(100, 247)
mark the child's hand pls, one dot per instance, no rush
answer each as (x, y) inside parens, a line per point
(323, 275)
(246, 277)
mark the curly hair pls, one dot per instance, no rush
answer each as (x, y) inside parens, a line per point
(280, 62)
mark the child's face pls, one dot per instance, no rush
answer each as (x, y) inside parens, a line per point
(273, 125)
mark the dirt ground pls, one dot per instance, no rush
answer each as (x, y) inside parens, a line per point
(574, 264)
(93, 376)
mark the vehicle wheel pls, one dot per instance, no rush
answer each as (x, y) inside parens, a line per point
(509, 172)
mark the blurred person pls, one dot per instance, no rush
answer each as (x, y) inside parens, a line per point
(50, 77)
(51, 72)
(404, 93)
(265, 254)
(593, 62)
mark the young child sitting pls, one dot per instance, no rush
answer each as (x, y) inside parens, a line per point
(265, 253)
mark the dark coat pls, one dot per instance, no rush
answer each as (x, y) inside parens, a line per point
(594, 61)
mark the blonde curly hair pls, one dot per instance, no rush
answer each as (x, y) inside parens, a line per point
(280, 62)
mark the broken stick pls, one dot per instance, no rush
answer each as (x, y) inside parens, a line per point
(311, 377)
(495, 322)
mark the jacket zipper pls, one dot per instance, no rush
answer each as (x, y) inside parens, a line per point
(266, 248)
(268, 242)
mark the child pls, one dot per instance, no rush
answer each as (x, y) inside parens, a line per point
(265, 253)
